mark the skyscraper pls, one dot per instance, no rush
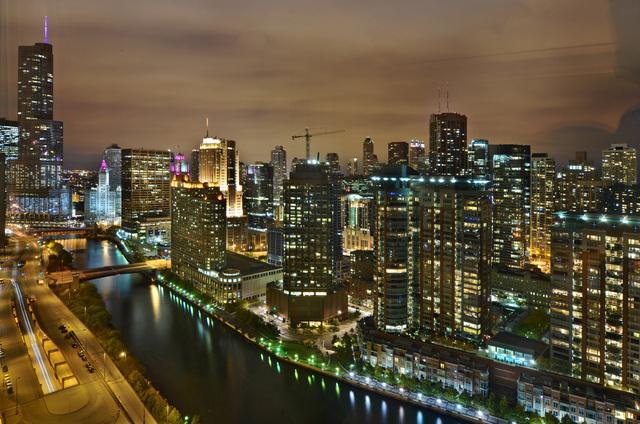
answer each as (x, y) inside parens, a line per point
(279, 164)
(35, 187)
(9, 139)
(310, 291)
(352, 167)
(333, 161)
(219, 165)
(146, 184)
(194, 162)
(418, 156)
(398, 153)
(578, 186)
(479, 163)
(259, 198)
(113, 158)
(3, 200)
(511, 170)
(198, 232)
(595, 301)
(447, 144)
(369, 159)
(102, 203)
(543, 172)
(619, 165)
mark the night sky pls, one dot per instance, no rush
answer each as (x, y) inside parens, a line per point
(560, 75)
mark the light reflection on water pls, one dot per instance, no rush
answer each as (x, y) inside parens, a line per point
(206, 369)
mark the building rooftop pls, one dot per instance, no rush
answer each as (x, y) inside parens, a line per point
(247, 265)
(518, 343)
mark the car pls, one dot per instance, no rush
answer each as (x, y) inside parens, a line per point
(81, 353)
(74, 345)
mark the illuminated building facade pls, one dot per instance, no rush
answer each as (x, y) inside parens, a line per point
(398, 153)
(259, 202)
(479, 162)
(352, 167)
(369, 158)
(619, 165)
(543, 172)
(595, 300)
(418, 156)
(511, 170)
(279, 164)
(357, 214)
(578, 186)
(312, 248)
(9, 139)
(219, 165)
(102, 204)
(447, 144)
(146, 187)
(113, 157)
(333, 162)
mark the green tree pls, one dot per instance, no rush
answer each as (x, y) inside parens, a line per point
(566, 420)
(503, 407)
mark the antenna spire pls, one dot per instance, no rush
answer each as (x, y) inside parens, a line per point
(46, 30)
(207, 124)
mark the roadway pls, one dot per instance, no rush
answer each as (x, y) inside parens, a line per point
(93, 400)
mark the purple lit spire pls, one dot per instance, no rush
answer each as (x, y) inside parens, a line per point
(103, 166)
(46, 30)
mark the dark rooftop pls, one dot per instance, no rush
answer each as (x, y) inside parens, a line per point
(247, 265)
(519, 343)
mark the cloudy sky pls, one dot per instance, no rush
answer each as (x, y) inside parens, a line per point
(558, 74)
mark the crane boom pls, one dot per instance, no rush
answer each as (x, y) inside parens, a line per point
(307, 137)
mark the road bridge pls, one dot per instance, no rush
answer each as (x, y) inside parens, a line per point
(66, 277)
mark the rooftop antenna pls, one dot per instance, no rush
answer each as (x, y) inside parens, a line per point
(207, 124)
(447, 97)
(46, 30)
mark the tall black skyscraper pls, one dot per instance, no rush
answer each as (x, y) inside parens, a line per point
(398, 153)
(36, 191)
(447, 144)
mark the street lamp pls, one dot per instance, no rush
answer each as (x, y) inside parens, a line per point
(123, 354)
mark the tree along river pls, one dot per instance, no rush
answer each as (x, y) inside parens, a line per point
(204, 368)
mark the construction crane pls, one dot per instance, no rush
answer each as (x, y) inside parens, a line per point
(307, 137)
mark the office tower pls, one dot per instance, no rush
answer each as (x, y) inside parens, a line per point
(455, 257)
(395, 242)
(352, 167)
(333, 161)
(398, 153)
(113, 157)
(219, 165)
(279, 164)
(357, 219)
(198, 231)
(369, 159)
(36, 192)
(146, 183)
(179, 165)
(447, 144)
(259, 198)
(511, 170)
(543, 172)
(619, 165)
(9, 139)
(578, 186)
(194, 167)
(595, 303)
(310, 292)
(479, 163)
(102, 203)
(418, 156)
(275, 245)
(620, 199)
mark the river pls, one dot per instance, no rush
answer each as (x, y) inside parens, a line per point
(204, 368)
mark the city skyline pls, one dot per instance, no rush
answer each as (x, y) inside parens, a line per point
(558, 92)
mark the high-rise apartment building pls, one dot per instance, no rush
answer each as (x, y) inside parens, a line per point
(219, 165)
(198, 231)
(146, 186)
(418, 156)
(9, 139)
(619, 165)
(279, 164)
(398, 153)
(369, 158)
(447, 144)
(312, 248)
(357, 220)
(352, 167)
(112, 155)
(511, 170)
(333, 162)
(479, 162)
(578, 186)
(595, 303)
(543, 173)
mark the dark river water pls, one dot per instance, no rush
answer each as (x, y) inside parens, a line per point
(205, 369)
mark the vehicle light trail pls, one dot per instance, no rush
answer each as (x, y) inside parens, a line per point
(32, 339)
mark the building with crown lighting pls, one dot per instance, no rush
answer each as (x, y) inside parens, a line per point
(102, 203)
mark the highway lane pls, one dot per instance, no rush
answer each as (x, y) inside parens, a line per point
(55, 313)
